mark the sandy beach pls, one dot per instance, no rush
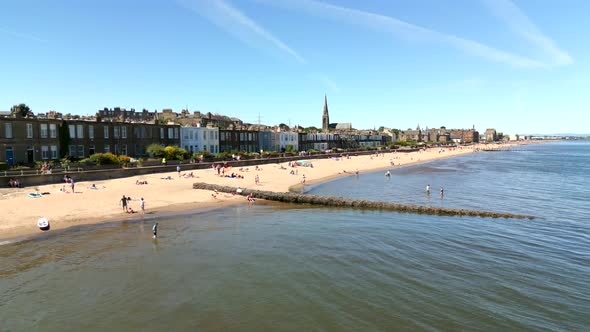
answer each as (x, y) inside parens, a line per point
(169, 192)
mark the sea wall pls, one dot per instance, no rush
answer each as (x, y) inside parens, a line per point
(297, 198)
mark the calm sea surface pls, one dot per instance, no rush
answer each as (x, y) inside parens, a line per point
(287, 268)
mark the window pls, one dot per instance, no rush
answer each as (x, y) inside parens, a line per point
(123, 132)
(107, 148)
(72, 149)
(222, 137)
(29, 130)
(43, 127)
(91, 132)
(80, 131)
(211, 134)
(241, 137)
(176, 133)
(45, 152)
(54, 152)
(106, 132)
(52, 130)
(116, 132)
(204, 135)
(72, 129)
(162, 133)
(124, 149)
(80, 151)
(8, 130)
(170, 133)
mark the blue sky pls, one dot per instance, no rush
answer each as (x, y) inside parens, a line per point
(517, 66)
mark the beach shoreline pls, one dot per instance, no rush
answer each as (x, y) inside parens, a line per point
(168, 193)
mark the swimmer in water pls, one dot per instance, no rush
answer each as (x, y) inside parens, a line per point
(155, 230)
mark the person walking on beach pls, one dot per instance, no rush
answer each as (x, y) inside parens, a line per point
(256, 179)
(124, 203)
(178, 170)
(142, 206)
(155, 230)
(72, 184)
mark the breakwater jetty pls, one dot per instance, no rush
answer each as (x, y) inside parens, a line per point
(330, 201)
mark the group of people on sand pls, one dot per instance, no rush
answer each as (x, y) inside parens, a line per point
(128, 209)
(68, 181)
(14, 183)
(234, 176)
(139, 182)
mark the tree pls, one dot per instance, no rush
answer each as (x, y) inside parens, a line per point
(21, 110)
(155, 151)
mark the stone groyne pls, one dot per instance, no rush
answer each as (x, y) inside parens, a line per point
(298, 198)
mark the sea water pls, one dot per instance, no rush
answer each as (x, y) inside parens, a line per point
(292, 268)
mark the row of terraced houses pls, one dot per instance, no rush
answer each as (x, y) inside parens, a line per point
(28, 138)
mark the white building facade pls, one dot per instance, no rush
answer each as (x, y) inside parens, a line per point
(280, 140)
(196, 139)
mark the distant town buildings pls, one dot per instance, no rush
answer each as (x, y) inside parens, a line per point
(26, 138)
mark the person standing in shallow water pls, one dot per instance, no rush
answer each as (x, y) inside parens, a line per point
(427, 189)
(155, 230)
(142, 206)
(124, 203)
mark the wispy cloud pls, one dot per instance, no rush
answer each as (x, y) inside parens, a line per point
(516, 19)
(22, 35)
(231, 19)
(325, 80)
(410, 31)
(466, 85)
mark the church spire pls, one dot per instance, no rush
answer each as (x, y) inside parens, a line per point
(325, 116)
